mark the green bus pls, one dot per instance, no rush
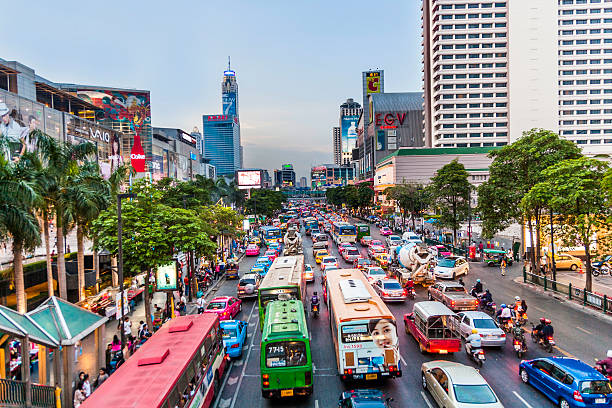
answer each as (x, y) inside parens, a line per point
(283, 281)
(285, 360)
(363, 230)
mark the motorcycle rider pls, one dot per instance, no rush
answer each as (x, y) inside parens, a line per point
(606, 364)
(505, 314)
(486, 298)
(539, 327)
(477, 288)
(314, 301)
(519, 333)
(547, 330)
(473, 342)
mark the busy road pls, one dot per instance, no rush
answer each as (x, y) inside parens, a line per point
(578, 334)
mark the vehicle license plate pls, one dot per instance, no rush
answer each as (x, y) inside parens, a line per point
(600, 400)
(481, 356)
(286, 393)
(371, 376)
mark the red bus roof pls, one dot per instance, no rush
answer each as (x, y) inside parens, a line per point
(148, 376)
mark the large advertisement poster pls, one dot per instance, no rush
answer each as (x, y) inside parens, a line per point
(229, 103)
(383, 350)
(348, 131)
(373, 82)
(248, 178)
(166, 277)
(17, 121)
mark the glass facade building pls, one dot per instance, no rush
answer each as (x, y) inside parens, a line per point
(222, 143)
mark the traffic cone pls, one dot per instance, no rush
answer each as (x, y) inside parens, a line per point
(581, 270)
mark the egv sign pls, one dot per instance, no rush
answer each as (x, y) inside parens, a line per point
(390, 120)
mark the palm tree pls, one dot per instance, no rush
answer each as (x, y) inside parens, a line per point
(18, 200)
(61, 160)
(88, 194)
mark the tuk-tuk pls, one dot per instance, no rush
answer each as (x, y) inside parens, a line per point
(430, 325)
(231, 271)
(493, 257)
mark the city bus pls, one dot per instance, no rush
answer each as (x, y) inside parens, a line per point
(271, 234)
(285, 277)
(364, 331)
(363, 230)
(309, 224)
(285, 360)
(343, 232)
(181, 365)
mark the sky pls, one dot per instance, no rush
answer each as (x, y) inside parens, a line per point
(295, 61)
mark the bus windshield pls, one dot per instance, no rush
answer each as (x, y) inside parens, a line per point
(286, 354)
(273, 232)
(347, 230)
(266, 297)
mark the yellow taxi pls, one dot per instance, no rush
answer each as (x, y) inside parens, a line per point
(382, 259)
(565, 261)
(255, 240)
(321, 253)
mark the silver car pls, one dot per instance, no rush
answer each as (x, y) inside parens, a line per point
(350, 254)
(389, 290)
(489, 331)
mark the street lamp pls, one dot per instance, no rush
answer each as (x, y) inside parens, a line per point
(120, 259)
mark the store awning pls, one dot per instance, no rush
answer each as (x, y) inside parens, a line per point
(65, 322)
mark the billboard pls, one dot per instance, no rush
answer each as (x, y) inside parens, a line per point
(166, 277)
(373, 82)
(348, 132)
(229, 103)
(248, 179)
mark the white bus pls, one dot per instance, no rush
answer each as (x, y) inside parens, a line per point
(343, 232)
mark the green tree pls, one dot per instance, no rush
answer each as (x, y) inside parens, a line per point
(515, 169)
(365, 196)
(574, 190)
(450, 191)
(18, 222)
(264, 202)
(412, 199)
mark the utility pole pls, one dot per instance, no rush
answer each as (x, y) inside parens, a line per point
(120, 261)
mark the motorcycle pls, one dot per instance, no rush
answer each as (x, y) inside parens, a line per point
(487, 307)
(602, 370)
(410, 292)
(547, 343)
(477, 355)
(597, 270)
(315, 310)
(519, 343)
(521, 318)
(506, 324)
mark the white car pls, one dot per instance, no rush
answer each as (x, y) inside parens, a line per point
(374, 250)
(393, 240)
(308, 273)
(411, 237)
(328, 261)
(451, 267)
(374, 273)
(350, 254)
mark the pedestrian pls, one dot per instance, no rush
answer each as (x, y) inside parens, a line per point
(86, 385)
(503, 266)
(127, 326)
(201, 303)
(116, 344)
(102, 376)
(79, 395)
(108, 356)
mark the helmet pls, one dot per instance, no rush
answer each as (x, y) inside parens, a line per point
(542, 320)
(517, 298)
(487, 291)
(474, 331)
(477, 280)
(314, 293)
(503, 305)
(547, 321)
(609, 354)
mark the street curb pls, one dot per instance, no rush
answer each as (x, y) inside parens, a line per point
(574, 305)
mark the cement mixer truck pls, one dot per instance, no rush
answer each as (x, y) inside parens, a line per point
(414, 262)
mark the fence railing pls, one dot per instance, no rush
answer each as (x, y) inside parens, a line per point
(596, 300)
(13, 394)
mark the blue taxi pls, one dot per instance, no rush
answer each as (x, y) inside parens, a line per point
(234, 336)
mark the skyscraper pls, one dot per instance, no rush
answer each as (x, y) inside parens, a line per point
(337, 145)
(482, 90)
(229, 92)
(349, 116)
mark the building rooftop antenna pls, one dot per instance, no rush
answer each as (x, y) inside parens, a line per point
(229, 63)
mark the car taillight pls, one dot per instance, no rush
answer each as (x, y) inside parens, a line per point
(235, 345)
(503, 335)
(391, 368)
(405, 292)
(348, 371)
(550, 338)
(578, 396)
(452, 303)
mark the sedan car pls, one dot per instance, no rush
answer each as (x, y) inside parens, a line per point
(489, 331)
(384, 231)
(374, 273)
(255, 240)
(350, 254)
(344, 245)
(248, 285)
(451, 267)
(376, 242)
(252, 250)
(390, 290)
(393, 240)
(382, 259)
(365, 241)
(365, 398)
(226, 307)
(275, 246)
(271, 254)
(568, 382)
(454, 385)
(234, 336)
(320, 255)
(264, 260)
(566, 261)
(374, 250)
(308, 273)
(321, 237)
(328, 261)
(318, 245)
(362, 264)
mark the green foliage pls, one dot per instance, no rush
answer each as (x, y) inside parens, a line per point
(450, 192)
(354, 197)
(412, 198)
(265, 202)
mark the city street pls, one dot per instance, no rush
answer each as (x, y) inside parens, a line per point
(573, 329)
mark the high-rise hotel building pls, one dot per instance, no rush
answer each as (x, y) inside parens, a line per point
(493, 69)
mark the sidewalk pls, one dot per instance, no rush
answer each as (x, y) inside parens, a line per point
(601, 284)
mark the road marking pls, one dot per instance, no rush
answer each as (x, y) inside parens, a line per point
(316, 403)
(403, 361)
(539, 308)
(521, 399)
(232, 381)
(243, 367)
(583, 330)
(567, 354)
(425, 399)
(218, 397)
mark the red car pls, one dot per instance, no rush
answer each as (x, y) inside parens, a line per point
(226, 307)
(385, 231)
(376, 242)
(344, 246)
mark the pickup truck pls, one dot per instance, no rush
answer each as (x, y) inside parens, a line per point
(453, 295)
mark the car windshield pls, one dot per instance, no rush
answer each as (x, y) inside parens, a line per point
(392, 285)
(229, 333)
(474, 394)
(454, 289)
(377, 271)
(484, 324)
(596, 387)
(329, 260)
(247, 281)
(394, 238)
(367, 238)
(352, 252)
(216, 306)
(446, 263)
(376, 242)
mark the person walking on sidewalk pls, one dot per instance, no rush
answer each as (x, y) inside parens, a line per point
(503, 266)
(201, 304)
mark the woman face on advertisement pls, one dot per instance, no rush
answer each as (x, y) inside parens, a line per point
(384, 333)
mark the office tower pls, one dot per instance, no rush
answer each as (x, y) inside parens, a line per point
(337, 145)
(222, 143)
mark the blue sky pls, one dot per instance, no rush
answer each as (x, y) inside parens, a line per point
(296, 61)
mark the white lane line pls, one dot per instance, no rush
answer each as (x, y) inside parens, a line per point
(540, 309)
(522, 400)
(583, 330)
(218, 397)
(403, 361)
(316, 403)
(425, 399)
(244, 365)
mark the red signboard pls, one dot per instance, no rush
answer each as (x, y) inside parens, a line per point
(390, 119)
(137, 156)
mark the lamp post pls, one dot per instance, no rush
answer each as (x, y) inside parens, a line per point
(120, 259)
